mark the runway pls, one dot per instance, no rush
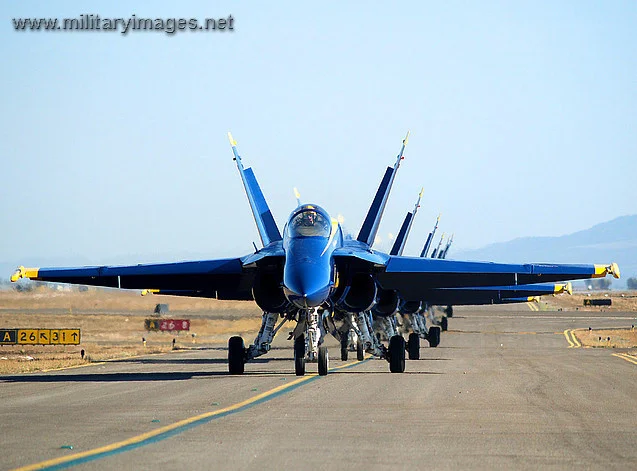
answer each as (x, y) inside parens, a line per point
(505, 389)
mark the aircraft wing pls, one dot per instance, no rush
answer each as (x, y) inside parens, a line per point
(490, 294)
(221, 279)
(412, 275)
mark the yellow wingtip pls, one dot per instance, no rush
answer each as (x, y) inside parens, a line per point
(233, 143)
(296, 193)
(563, 288)
(146, 292)
(422, 191)
(406, 140)
(602, 270)
(22, 272)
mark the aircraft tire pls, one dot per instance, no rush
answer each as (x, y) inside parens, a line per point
(444, 323)
(299, 356)
(344, 348)
(413, 346)
(360, 352)
(397, 354)
(434, 336)
(236, 355)
(323, 361)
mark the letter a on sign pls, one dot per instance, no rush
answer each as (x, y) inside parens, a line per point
(7, 337)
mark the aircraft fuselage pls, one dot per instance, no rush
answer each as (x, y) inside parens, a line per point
(309, 240)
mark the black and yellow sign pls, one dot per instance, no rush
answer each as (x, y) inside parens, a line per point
(8, 336)
(151, 324)
(40, 336)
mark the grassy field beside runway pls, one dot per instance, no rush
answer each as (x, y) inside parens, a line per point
(622, 301)
(112, 325)
(607, 338)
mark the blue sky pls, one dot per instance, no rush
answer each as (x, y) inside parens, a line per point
(114, 147)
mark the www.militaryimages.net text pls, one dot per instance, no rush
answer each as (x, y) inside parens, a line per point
(132, 24)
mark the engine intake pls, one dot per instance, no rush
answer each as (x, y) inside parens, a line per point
(359, 294)
(267, 291)
(386, 302)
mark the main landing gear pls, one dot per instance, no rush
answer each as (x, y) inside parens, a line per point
(397, 354)
(413, 346)
(444, 323)
(308, 338)
(433, 336)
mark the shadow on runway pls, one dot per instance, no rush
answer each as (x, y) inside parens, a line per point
(107, 377)
(130, 377)
(191, 361)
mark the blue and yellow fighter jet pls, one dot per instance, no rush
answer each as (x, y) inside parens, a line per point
(311, 273)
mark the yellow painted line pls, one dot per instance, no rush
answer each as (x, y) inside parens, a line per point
(107, 450)
(575, 341)
(532, 306)
(571, 339)
(627, 357)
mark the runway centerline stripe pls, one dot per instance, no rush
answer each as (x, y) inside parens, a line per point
(176, 428)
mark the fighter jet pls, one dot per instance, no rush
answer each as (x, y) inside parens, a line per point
(310, 271)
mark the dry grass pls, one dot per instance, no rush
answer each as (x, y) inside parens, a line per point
(43, 298)
(625, 303)
(112, 325)
(619, 338)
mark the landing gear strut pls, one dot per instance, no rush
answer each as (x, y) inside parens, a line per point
(238, 355)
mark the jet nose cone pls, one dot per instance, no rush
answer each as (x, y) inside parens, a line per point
(300, 298)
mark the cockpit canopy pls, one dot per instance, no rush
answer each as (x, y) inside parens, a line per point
(310, 221)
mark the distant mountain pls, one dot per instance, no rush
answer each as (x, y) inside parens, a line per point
(612, 241)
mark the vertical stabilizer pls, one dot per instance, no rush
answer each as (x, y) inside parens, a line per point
(370, 226)
(268, 230)
(444, 252)
(430, 237)
(436, 251)
(405, 229)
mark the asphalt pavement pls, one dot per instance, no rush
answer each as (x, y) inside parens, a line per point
(505, 389)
